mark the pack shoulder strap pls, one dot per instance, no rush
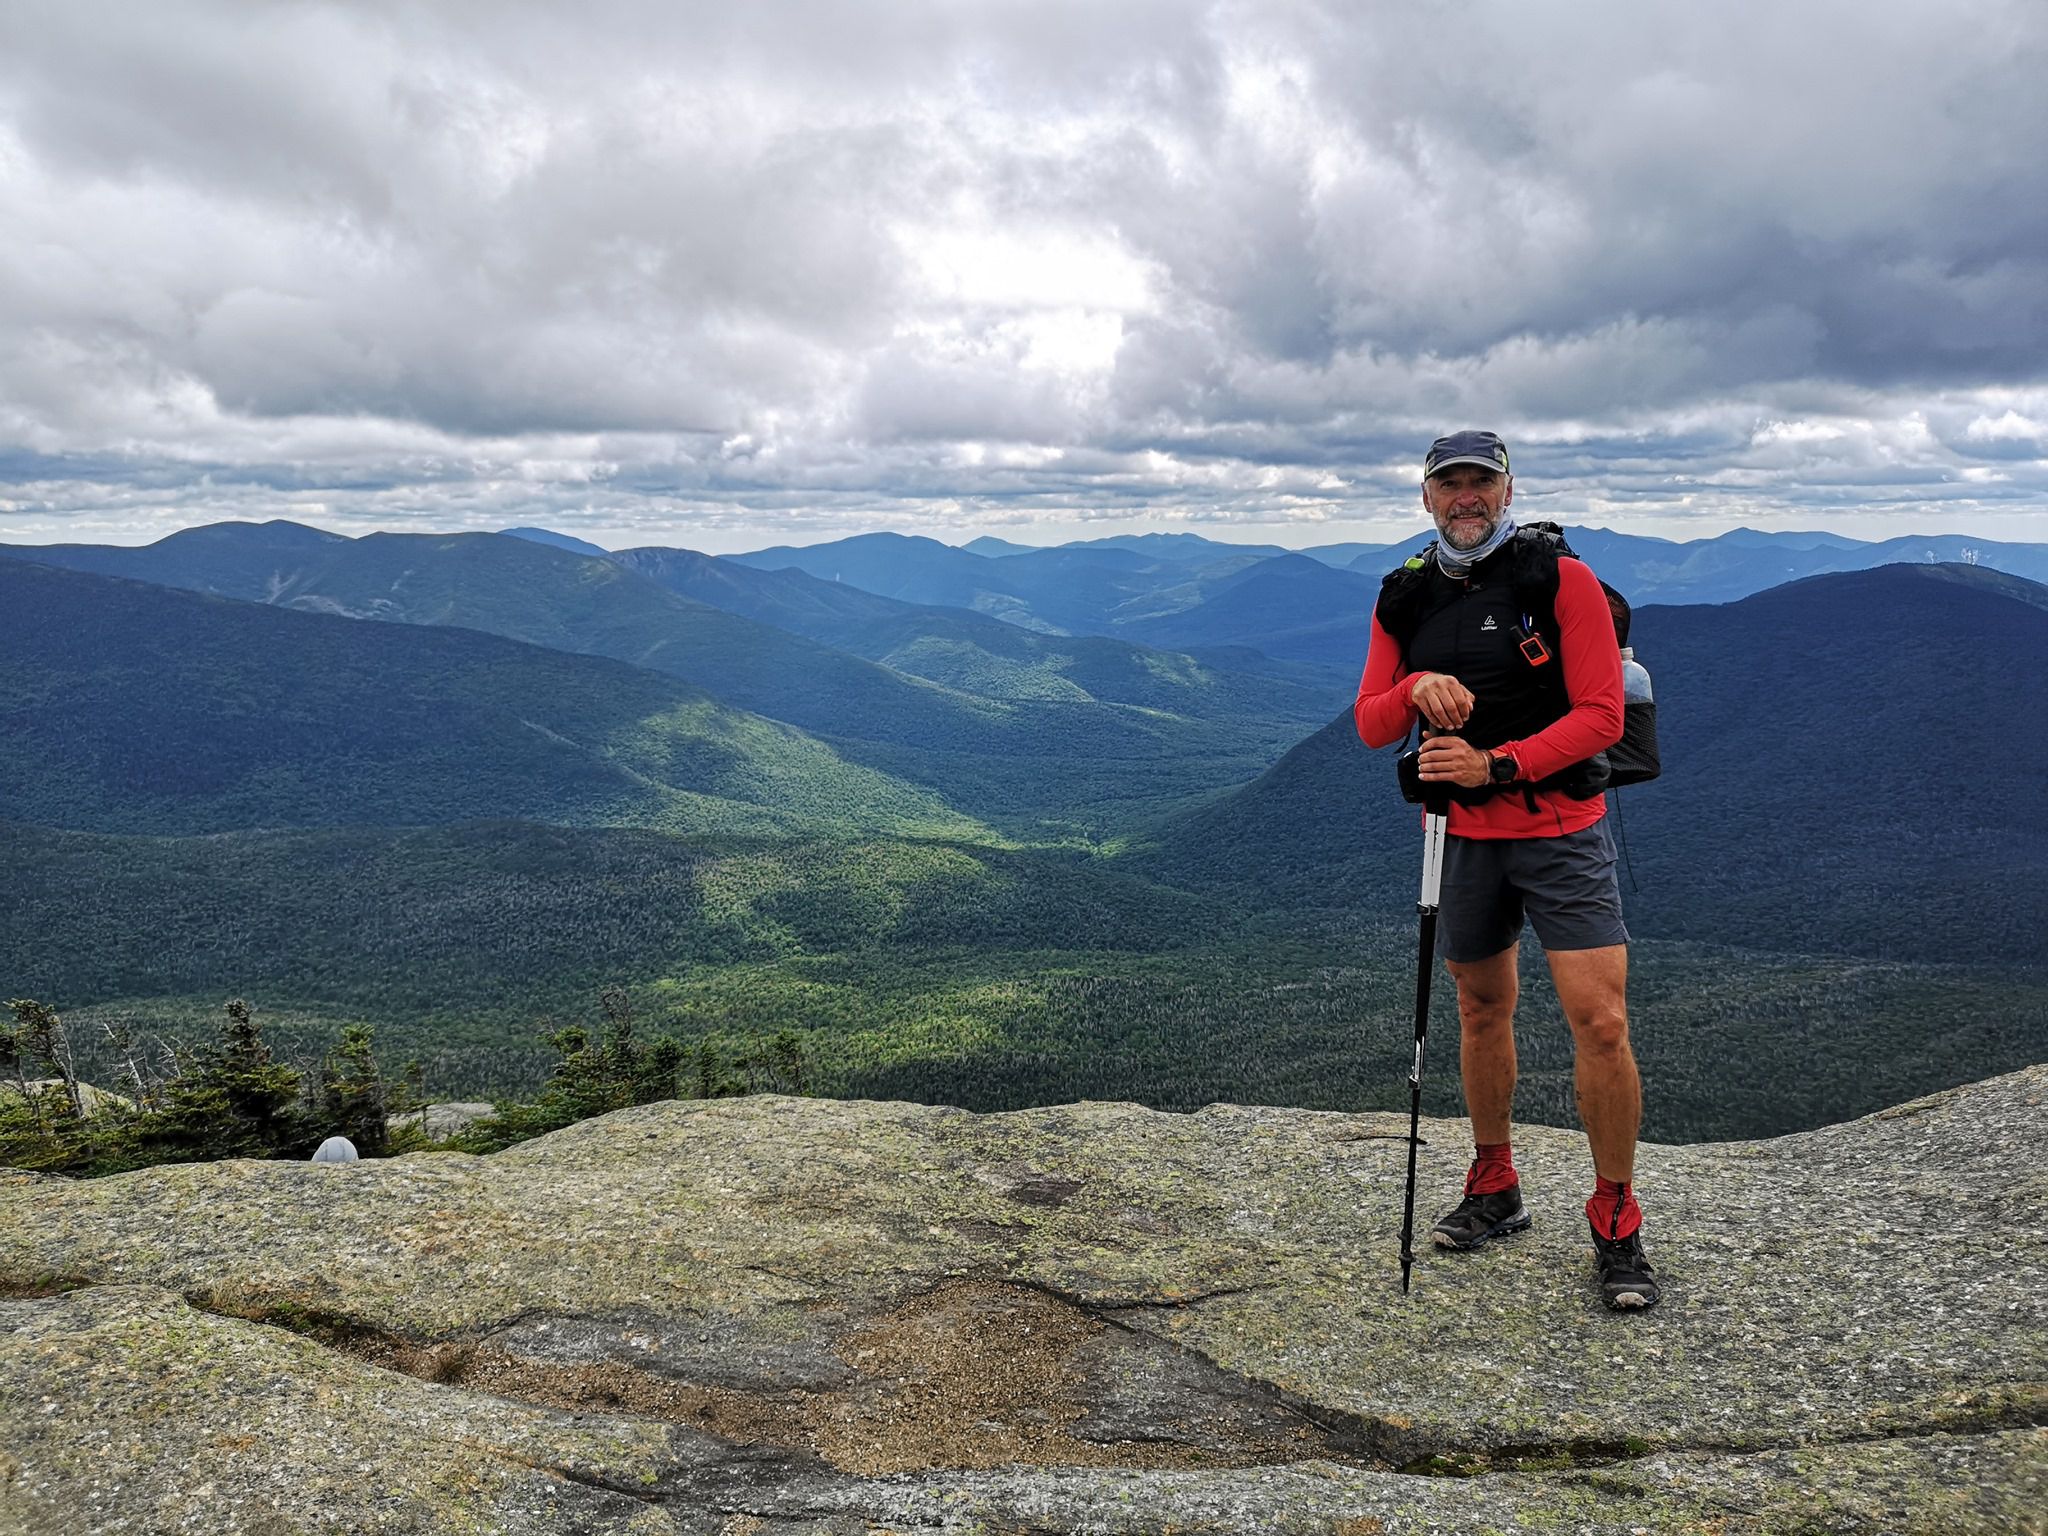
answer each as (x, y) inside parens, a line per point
(1414, 589)
(1408, 593)
(1533, 555)
(1536, 578)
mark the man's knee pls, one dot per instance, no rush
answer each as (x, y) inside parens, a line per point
(1602, 1030)
(1488, 1014)
(1592, 987)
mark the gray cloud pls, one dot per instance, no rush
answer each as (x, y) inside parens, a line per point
(794, 268)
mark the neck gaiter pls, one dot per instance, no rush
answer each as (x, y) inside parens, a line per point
(1458, 563)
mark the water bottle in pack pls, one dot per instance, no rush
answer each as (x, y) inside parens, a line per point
(1633, 759)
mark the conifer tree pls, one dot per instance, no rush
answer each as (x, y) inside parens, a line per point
(352, 1098)
(233, 1101)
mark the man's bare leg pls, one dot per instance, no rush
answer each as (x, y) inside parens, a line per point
(1487, 991)
(1486, 1060)
(1592, 988)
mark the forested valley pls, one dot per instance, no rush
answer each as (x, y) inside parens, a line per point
(1019, 864)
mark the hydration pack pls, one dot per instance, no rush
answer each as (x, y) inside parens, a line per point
(1414, 590)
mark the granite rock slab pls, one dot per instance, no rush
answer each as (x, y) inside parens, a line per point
(800, 1312)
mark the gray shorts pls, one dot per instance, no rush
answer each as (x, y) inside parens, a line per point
(1566, 884)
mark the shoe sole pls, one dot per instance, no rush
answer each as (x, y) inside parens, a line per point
(1512, 1225)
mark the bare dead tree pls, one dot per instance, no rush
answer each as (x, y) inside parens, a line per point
(125, 1049)
(39, 1035)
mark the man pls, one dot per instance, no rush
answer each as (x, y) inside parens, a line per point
(1513, 700)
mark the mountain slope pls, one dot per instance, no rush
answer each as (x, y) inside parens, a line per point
(1060, 760)
(1188, 547)
(256, 561)
(543, 595)
(559, 540)
(128, 707)
(1098, 588)
(913, 570)
(1878, 737)
(973, 652)
(1292, 608)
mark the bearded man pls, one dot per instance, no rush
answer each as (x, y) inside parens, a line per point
(1506, 658)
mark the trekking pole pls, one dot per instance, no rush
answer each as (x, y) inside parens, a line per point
(1435, 806)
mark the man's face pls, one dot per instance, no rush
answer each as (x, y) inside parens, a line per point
(1466, 502)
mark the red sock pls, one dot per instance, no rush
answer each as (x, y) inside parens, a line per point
(1613, 1210)
(1493, 1169)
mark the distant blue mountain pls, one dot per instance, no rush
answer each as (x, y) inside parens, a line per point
(995, 549)
(1237, 608)
(1342, 554)
(1722, 569)
(1090, 588)
(1185, 547)
(559, 540)
(1178, 546)
(1811, 539)
(973, 651)
(1292, 608)
(912, 569)
(1737, 564)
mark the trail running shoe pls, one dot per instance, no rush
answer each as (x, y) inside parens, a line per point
(1626, 1280)
(1480, 1217)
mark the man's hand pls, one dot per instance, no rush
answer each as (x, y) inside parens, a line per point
(1444, 702)
(1451, 760)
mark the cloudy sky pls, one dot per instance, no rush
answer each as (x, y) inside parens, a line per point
(729, 275)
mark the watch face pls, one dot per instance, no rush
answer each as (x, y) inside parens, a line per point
(1503, 769)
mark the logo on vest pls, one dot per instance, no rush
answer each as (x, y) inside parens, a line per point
(1488, 625)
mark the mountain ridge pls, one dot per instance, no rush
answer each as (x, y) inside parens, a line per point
(1057, 758)
(134, 707)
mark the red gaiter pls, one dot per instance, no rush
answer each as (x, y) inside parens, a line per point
(1613, 1210)
(1492, 1170)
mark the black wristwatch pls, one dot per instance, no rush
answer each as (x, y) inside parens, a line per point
(1501, 768)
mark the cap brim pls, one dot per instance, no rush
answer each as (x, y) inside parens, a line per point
(1467, 458)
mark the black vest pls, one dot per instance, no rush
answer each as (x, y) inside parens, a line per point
(1483, 630)
(1475, 631)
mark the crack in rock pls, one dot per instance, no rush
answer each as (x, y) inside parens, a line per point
(979, 1373)
(974, 1373)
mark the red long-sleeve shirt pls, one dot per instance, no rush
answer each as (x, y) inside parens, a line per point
(1592, 677)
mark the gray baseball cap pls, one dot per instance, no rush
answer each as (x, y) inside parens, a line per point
(1466, 448)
